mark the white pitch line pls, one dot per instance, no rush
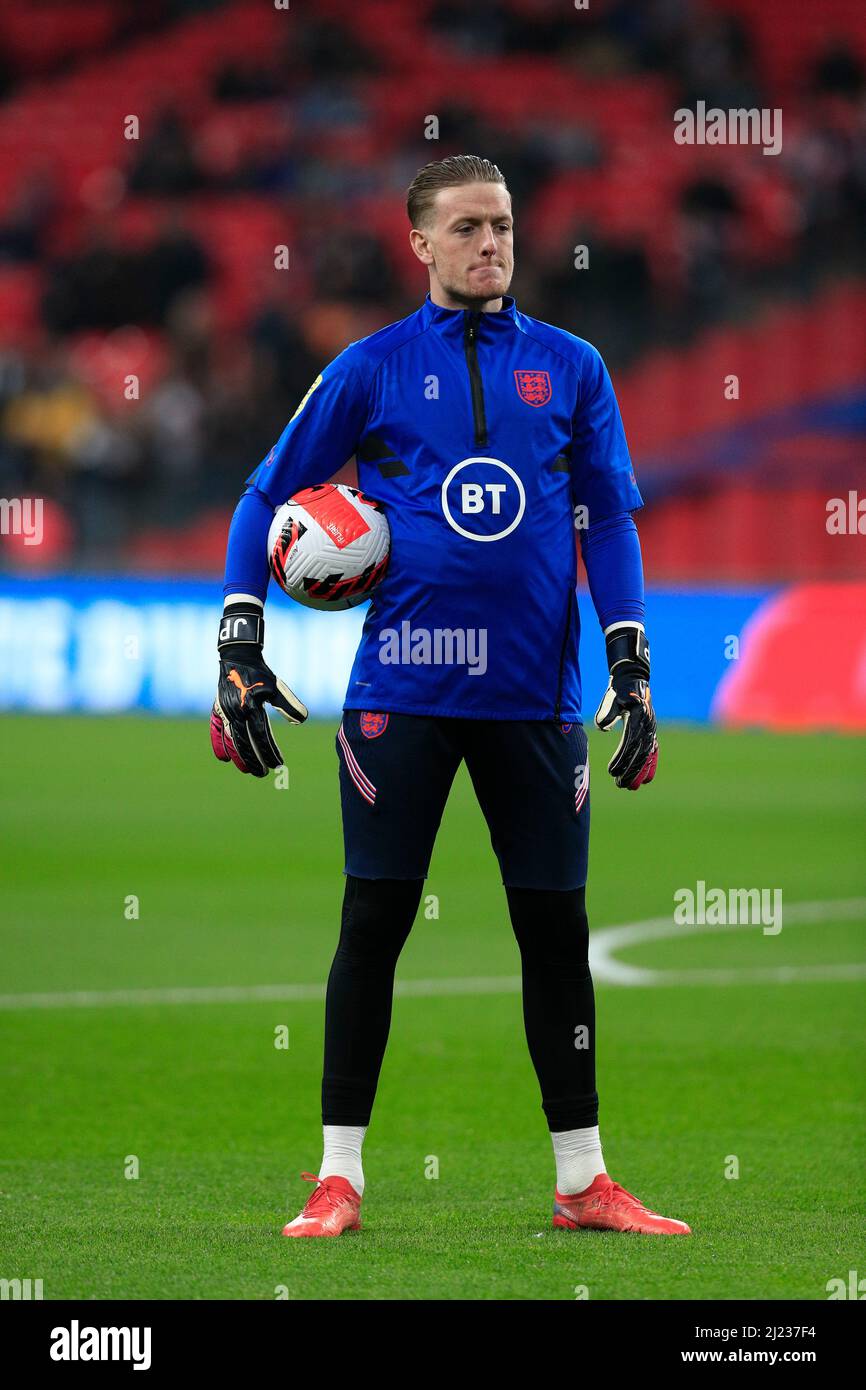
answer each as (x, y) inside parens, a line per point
(606, 969)
(245, 994)
(192, 994)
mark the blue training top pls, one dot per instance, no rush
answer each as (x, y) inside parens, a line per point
(481, 433)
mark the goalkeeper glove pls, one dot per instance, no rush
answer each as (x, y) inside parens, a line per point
(239, 727)
(628, 698)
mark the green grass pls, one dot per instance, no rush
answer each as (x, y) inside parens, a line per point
(239, 883)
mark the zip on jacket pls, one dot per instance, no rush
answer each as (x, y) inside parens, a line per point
(470, 337)
(557, 711)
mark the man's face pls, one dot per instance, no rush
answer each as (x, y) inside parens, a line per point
(468, 246)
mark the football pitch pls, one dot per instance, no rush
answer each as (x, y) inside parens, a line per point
(167, 926)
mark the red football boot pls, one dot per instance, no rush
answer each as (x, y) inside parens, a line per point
(605, 1206)
(333, 1208)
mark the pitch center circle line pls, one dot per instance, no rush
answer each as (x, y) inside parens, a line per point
(607, 941)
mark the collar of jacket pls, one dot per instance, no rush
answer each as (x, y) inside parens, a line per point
(452, 321)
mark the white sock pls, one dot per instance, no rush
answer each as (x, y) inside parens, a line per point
(578, 1159)
(342, 1156)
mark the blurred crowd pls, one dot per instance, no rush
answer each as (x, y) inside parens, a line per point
(213, 399)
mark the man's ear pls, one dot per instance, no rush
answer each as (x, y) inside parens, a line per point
(421, 246)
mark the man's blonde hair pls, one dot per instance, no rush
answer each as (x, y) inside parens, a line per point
(446, 173)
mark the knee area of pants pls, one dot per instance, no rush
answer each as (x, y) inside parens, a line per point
(377, 917)
(551, 927)
(556, 954)
(565, 969)
(370, 954)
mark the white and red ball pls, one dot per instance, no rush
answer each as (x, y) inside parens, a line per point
(328, 546)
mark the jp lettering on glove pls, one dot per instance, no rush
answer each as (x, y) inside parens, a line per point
(240, 731)
(628, 699)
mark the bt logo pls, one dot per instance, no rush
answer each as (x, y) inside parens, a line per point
(489, 498)
(472, 495)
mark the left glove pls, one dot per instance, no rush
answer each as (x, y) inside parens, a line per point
(628, 698)
(239, 727)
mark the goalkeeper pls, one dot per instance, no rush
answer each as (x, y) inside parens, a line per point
(482, 431)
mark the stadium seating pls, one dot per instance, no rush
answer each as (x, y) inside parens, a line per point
(268, 165)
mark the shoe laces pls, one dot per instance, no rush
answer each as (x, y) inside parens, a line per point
(615, 1193)
(322, 1195)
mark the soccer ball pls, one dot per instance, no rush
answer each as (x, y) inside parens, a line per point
(328, 546)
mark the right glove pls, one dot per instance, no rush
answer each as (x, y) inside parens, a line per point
(628, 698)
(239, 727)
